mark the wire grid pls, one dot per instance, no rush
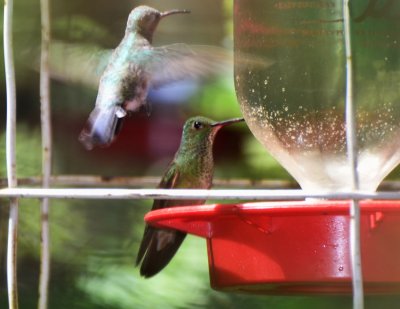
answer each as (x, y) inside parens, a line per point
(13, 191)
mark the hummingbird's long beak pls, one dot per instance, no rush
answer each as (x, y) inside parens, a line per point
(171, 12)
(221, 124)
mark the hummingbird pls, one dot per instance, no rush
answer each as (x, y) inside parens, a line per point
(133, 68)
(191, 168)
(125, 82)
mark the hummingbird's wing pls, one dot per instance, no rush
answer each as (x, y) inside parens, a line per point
(158, 246)
(180, 61)
(78, 63)
(198, 62)
(169, 180)
(85, 63)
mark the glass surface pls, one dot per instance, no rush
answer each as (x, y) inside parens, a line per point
(295, 104)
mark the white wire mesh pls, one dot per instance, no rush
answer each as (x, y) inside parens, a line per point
(351, 139)
(11, 155)
(183, 194)
(46, 153)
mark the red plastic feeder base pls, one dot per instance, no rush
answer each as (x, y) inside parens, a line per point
(292, 247)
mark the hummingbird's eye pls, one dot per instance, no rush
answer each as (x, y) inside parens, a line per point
(197, 125)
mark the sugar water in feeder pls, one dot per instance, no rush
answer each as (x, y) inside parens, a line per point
(295, 107)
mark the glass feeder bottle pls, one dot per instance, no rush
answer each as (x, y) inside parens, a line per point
(295, 105)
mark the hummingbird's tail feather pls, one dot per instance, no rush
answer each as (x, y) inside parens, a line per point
(147, 235)
(157, 249)
(102, 126)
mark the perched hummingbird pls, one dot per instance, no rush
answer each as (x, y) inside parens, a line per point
(135, 66)
(192, 167)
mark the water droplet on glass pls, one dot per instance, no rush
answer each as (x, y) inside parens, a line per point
(341, 268)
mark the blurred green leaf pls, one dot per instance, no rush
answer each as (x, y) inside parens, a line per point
(28, 152)
(183, 284)
(80, 28)
(261, 163)
(218, 100)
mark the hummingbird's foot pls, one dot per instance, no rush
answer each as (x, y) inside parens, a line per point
(148, 108)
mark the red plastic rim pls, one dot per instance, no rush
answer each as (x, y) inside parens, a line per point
(292, 247)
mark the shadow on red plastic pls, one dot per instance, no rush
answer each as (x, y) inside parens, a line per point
(292, 247)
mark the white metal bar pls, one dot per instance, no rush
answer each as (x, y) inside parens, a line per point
(46, 154)
(351, 138)
(152, 181)
(10, 154)
(351, 124)
(220, 194)
(11, 94)
(12, 243)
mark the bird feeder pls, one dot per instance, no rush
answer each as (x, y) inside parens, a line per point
(296, 109)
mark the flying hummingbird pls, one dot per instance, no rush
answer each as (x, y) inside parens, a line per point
(191, 168)
(133, 67)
